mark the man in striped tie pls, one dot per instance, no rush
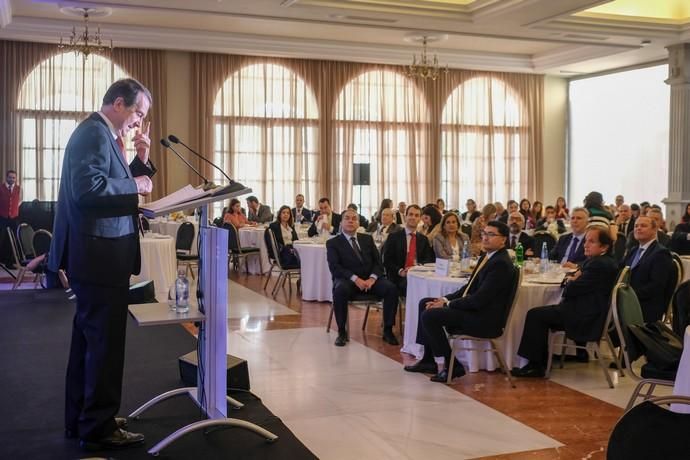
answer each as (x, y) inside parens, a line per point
(478, 308)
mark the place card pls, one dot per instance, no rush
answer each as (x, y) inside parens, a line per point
(442, 267)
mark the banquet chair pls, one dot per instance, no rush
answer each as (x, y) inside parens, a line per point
(540, 237)
(19, 262)
(25, 234)
(678, 263)
(237, 253)
(619, 247)
(367, 301)
(284, 274)
(457, 338)
(183, 247)
(593, 345)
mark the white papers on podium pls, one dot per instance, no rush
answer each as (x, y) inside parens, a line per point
(174, 200)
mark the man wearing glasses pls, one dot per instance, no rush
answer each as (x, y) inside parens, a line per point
(477, 308)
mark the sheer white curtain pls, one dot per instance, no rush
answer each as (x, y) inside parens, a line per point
(266, 132)
(381, 119)
(483, 143)
(57, 94)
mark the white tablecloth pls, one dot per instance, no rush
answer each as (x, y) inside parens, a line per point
(158, 263)
(422, 284)
(253, 237)
(165, 227)
(314, 272)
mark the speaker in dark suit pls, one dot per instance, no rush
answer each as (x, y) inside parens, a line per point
(652, 277)
(395, 255)
(356, 268)
(96, 241)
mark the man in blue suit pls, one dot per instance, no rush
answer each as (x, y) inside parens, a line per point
(300, 214)
(356, 267)
(569, 249)
(96, 242)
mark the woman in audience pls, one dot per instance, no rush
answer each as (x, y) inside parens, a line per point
(594, 203)
(235, 217)
(430, 220)
(686, 217)
(450, 241)
(385, 204)
(487, 215)
(471, 214)
(562, 211)
(537, 211)
(583, 307)
(526, 211)
(283, 230)
(441, 206)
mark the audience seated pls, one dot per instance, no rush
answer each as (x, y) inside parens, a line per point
(488, 214)
(651, 269)
(363, 222)
(431, 217)
(501, 212)
(405, 249)
(356, 267)
(516, 222)
(550, 223)
(583, 307)
(387, 225)
(441, 206)
(283, 230)
(561, 207)
(256, 212)
(569, 250)
(400, 213)
(594, 203)
(625, 220)
(235, 216)
(526, 211)
(680, 240)
(449, 241)
(386, 203)
(472, 213)
(300, 214)
(326, 221)
(478, 308)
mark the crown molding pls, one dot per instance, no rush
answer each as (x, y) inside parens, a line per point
(124, 36)
(5, 13)
(567, 55)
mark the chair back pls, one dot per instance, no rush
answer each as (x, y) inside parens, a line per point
(619, 247)
(25, 236)
(542, 237)
(233, 238)
(626, 311)
(268, 235)
(674, 281)
(466, 229)
(218, 222)
(681, 308)
(184, 237)
(273, 248)
(514, 296)
(41, 242)
(14, 247)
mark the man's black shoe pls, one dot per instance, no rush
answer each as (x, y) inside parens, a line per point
(422, 366)
(530, 370)
(71, 433)
(118, 439)
(388, 337)
(341, 340)
(579, 358)
(442, 377)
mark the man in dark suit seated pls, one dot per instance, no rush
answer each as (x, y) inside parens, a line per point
(625, 220)
(516, 222)
(680, 241)
(478, 308)
(326, 221)
(661, 235)
(356, 268)
(257, 212)
(549, 220)
(397, 257)
(569, 250)
(651, 269)
(363, 222)
(300, 214)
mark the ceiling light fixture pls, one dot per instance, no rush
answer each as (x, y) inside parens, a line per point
(85, 42)
(425, 66)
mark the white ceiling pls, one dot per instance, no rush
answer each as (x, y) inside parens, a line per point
(541, 36)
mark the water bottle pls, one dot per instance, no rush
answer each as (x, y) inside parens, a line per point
(182, 291)
(519, 254)
(465, 261)
(544, 261)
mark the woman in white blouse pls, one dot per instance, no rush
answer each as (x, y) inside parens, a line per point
(283, 230)
(449, 241)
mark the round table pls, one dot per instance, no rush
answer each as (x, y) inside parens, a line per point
(158, 263)
(423, 282)
(165, 227)
(314, 273)
(253, 237)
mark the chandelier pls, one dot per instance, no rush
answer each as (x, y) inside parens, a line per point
(426, 66)
(86, 42)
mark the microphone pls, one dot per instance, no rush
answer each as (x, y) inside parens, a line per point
(167, 145)
(176, 140)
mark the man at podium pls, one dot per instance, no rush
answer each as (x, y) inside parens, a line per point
(96, 240)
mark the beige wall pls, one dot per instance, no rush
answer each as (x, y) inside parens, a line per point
(179, 102)
(555, 120)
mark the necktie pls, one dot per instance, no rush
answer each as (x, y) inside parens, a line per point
(513, 242)
(411, 251)
(474, 275)
(573, 248)
(355, 247)
(636, 259)
(121, 144)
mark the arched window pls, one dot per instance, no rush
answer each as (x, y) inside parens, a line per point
(57, 94)
(381, 121)
(483, 133)
(266, 127)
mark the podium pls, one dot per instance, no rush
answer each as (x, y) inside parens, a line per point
(210, 394)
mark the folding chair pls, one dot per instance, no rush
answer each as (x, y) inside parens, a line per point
(25, 235)
(237, 253)
(183, 247)
(284, 274)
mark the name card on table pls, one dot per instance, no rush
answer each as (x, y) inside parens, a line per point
(442, 267)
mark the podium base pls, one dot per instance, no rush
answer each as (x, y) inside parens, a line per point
(236, 368)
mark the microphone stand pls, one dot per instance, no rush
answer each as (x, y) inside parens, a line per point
(207, 185)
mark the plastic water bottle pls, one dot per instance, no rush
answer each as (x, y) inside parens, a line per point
(519, 254)
(544, 261)
(465, 261)
(182, 291)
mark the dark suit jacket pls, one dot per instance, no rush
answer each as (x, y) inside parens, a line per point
(343, 262)
(488, 299)
(307, 215)
(661, 237)
(262, 215)
(274, 227)
(395, 253)
(543, 225)
(651, 279)
(95, 234)
(524, 239)
(473, 216)
(679, 240)
(629, 228)
(560, 250)
(585, 301)
(335, 221)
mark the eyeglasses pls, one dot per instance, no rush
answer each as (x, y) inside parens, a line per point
(488, 234)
